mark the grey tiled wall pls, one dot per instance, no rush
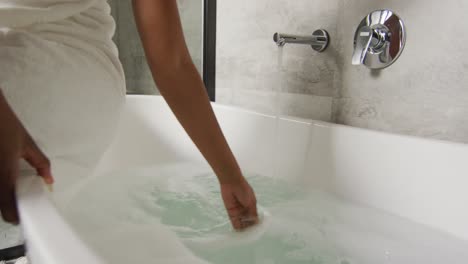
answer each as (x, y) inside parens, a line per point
(139, 79)
(247, 66)
(424, 94)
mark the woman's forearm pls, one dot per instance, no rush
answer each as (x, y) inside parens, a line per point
(4, 107)
(185, 93)
(180, 83)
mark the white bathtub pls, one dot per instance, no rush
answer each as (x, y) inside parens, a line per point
(418, 179)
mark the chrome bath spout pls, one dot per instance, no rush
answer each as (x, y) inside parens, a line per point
(319, 40)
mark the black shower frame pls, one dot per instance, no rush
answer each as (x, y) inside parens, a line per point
(209, 47)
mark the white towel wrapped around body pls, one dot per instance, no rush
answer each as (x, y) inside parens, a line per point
(60, 72)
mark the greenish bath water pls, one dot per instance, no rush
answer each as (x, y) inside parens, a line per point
(199, 218)
(174, 214)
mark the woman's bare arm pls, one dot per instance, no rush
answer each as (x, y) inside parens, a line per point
(181, 86)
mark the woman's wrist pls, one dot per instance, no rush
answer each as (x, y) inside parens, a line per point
(231, 176)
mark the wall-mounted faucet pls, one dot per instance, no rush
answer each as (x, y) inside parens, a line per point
(319, 40)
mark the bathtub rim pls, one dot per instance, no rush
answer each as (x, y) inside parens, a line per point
(216, 105)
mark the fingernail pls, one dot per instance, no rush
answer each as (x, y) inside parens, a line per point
(50, 187)
(49, 180)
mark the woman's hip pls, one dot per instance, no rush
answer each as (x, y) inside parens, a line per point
(68, 99)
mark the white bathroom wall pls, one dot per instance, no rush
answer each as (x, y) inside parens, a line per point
(247, 72)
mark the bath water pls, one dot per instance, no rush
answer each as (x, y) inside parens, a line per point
(174, 214)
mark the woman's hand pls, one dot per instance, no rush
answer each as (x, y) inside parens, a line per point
(16, 143)
(241, 204)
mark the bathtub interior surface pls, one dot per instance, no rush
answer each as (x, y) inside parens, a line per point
(415, 179)
(298, 225)
(419, 179)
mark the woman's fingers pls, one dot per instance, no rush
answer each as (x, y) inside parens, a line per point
(235, 216)
(252, 214)
(250, 218)
(37, 159)
(242, 216)
(249, 202)
(241, 204)
(8, 207)
(8, 172)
